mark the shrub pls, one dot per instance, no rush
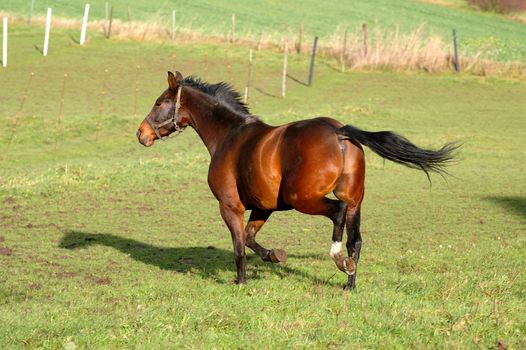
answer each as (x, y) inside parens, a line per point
(500, 6)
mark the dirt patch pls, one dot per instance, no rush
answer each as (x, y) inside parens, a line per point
(102, 281)
(5, 251)
(31, 225)
(10, 200)
(99, 280)
(2, 239)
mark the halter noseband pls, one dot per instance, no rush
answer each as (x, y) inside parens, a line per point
(178, 129)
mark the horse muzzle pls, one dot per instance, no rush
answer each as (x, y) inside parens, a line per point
(145, 136)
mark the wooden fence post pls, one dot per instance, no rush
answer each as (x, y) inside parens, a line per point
(103, 92)
(284, 74)
(365, 39)
(60, 110)
(111, 21)
(46, 35)
(249, 78)
(101, 104)
(457, 65)
(343, 53)
(106, 16)
(300, 39)
(136, 91)
(84, 25)
(233, 29)
(4, 42)
(312, 58)
(173, 25)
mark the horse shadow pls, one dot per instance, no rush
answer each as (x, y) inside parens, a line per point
(207, 262)
(516, 204)
(296, 80)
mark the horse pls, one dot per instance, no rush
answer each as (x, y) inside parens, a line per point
(263, 168)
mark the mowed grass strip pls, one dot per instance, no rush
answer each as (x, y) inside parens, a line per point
(106, 244)
(498, 37)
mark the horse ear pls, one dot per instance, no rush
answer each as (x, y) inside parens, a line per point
(178, 76)
(172, 81)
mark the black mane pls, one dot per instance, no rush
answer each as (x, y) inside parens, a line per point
(223, 92)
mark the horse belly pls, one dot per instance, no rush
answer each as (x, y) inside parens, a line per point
(260, 174)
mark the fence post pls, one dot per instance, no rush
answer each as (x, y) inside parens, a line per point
(343, 54)
(31, 8)
(365, 39)
(313, 56)
(108, 34)
(173, 24)
(233, 29)
(4, 42)
(457, 65)
(60, 110)
(106, 14)
(84, 25)
(136, 90)
(247, 87)
(284, 75)
(300, 39)
(48, 28)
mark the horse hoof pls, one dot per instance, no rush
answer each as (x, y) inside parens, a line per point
(278, 255)
(349, 266)
(349, 288)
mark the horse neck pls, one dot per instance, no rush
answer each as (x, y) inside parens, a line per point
(211, 120)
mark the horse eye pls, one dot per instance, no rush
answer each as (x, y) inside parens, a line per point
(158, 103)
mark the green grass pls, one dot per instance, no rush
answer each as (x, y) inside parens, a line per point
(117, 246)
(500, 37)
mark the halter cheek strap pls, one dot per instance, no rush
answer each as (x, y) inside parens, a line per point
(173, 120)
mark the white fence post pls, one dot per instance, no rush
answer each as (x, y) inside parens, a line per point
(84, 25)
(4, 43)
(48, 28)
(284, 74)
(31, 12)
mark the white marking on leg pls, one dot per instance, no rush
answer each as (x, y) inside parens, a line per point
(336, 249)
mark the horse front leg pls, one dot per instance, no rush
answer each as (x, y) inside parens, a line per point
(233, 217)
(255, 222)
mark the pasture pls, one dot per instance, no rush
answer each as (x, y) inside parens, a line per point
(488, 34)
(107, 244)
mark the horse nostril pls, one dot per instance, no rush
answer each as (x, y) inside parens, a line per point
(139, 134)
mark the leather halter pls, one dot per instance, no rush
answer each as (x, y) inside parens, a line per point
(171, 120)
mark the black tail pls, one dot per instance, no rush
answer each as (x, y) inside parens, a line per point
(400, 150)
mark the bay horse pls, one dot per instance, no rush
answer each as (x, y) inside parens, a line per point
(263, 168)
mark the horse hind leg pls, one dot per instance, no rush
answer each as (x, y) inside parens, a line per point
(334, 210)
(351, 191)
(255, 222)
(354, 243)
(344, 264)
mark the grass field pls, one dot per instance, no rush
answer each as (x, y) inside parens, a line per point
(106, 244)
(499, 37)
